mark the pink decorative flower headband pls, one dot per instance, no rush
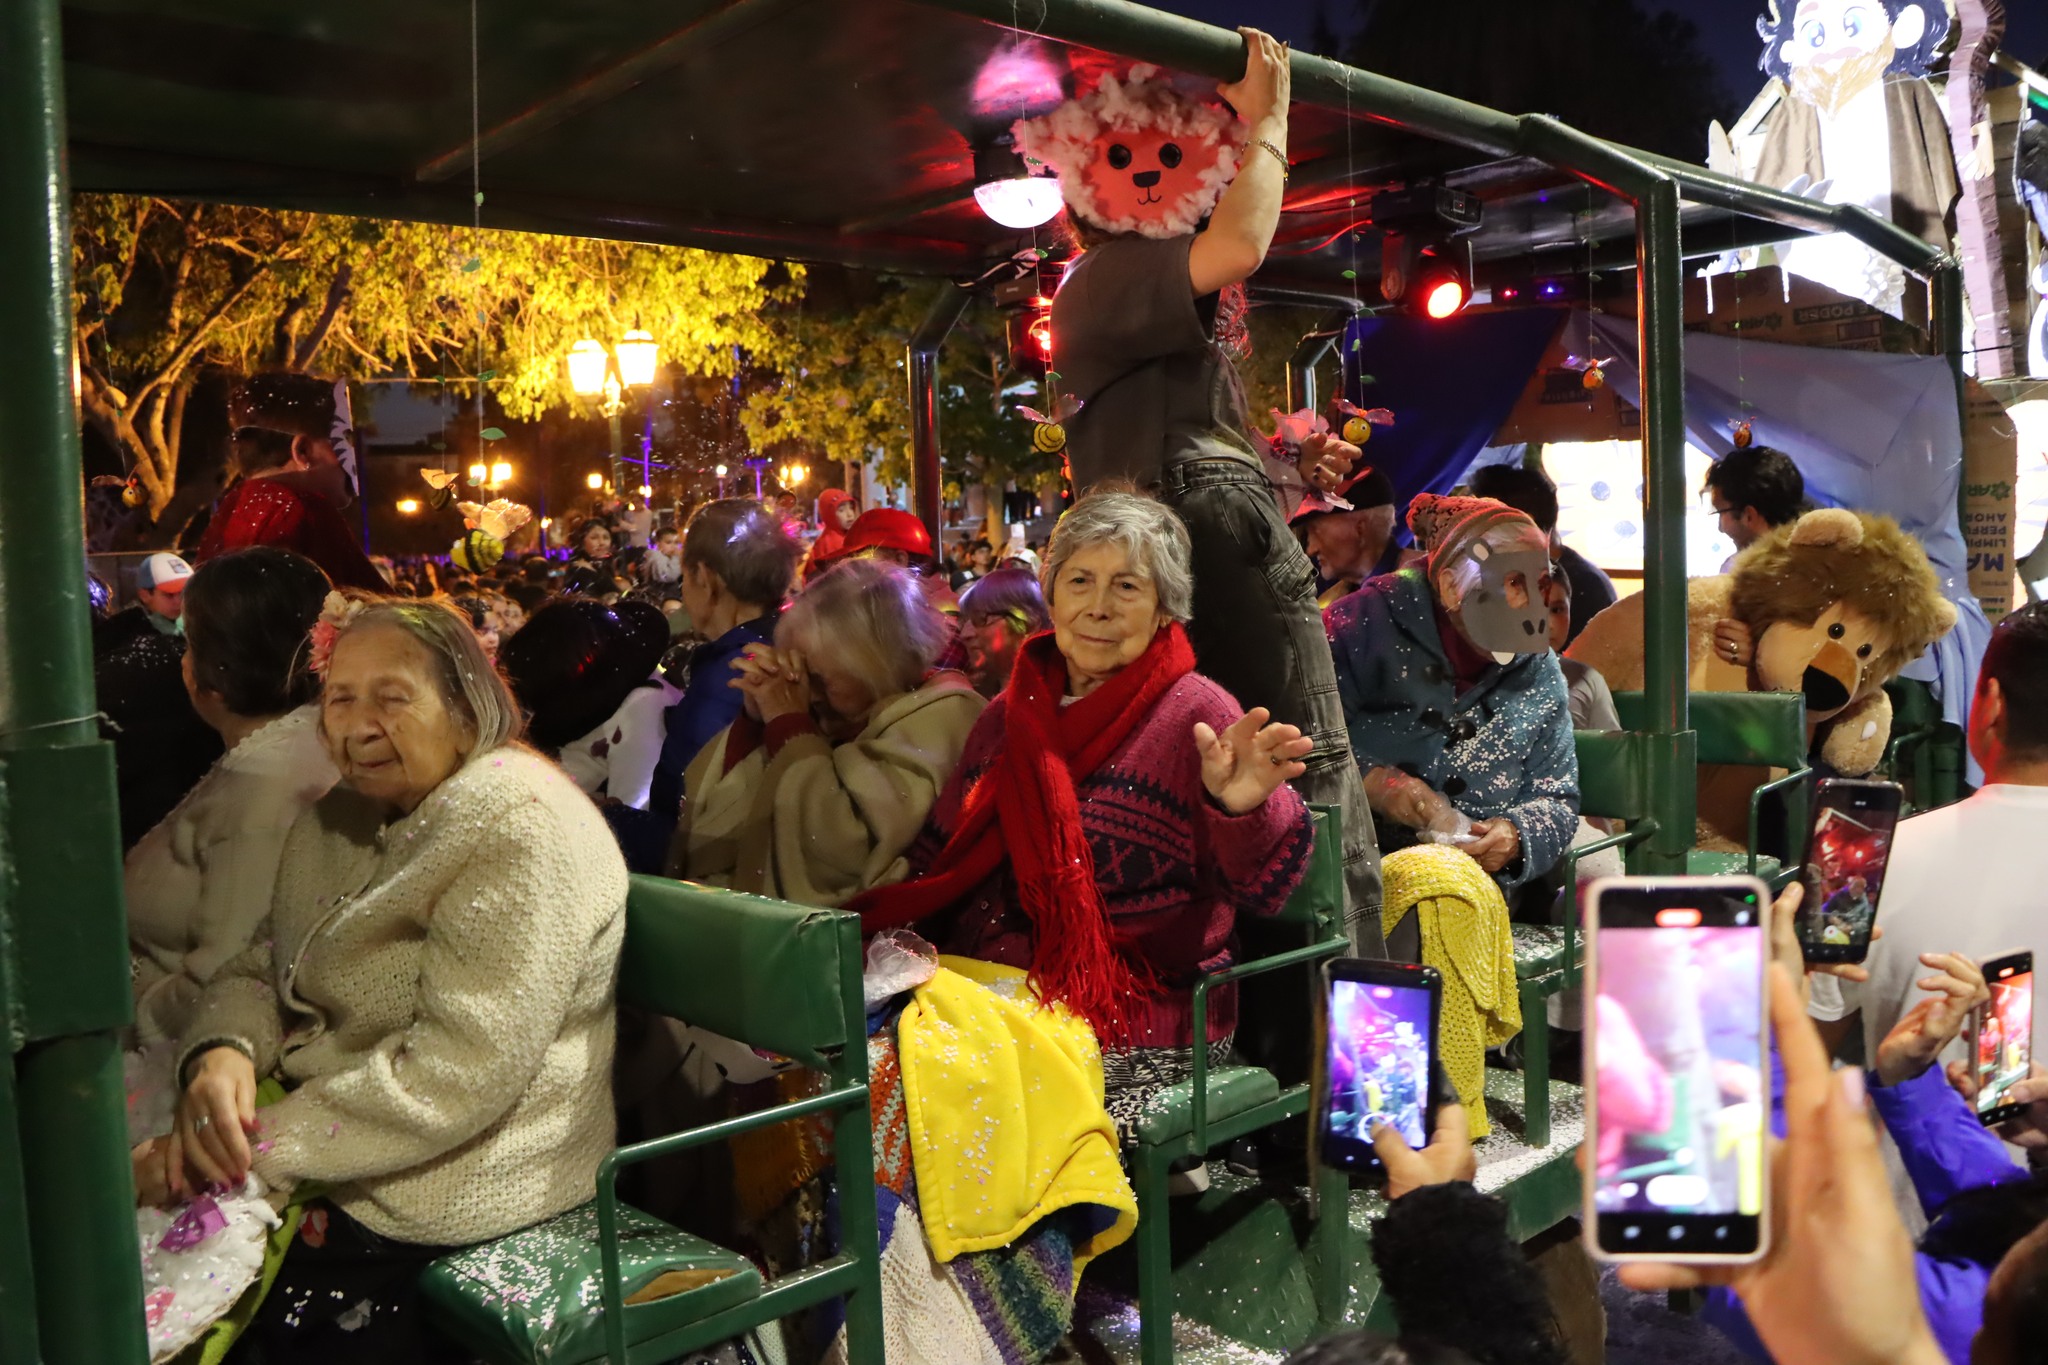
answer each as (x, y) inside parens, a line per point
(335, 614)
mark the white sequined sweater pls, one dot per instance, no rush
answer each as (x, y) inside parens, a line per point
(437, 994)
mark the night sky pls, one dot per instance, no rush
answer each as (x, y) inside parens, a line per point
(1727, 32)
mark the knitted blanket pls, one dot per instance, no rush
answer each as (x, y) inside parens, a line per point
(1465, 936)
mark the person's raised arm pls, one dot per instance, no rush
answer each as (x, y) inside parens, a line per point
(1234, 244)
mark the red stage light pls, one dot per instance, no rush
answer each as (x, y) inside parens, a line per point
(1445, 297)
(1041, 337)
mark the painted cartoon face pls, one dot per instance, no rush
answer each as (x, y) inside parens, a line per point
(1147, 175)
(1832, 32)
(1828, 661)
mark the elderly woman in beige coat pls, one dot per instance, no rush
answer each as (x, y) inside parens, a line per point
(815, 794)
(435, 989)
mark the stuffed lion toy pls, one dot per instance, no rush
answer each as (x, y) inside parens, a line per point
(1832, 606)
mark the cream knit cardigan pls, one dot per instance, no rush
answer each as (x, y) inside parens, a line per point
(199, 883)
(438, 994)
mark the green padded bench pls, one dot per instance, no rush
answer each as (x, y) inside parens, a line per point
(1614, 784)
(1219, 1104)
(608, 1282)
(1751, 729)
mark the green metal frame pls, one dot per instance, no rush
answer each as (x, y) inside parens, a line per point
(66, 1231)
(853, 1273)
(1150, 1161)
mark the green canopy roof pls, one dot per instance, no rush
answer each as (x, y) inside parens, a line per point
(821, 130)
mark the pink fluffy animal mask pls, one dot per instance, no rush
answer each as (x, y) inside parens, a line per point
(1137, 154)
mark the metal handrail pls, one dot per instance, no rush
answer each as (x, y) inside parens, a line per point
(1199, 1079)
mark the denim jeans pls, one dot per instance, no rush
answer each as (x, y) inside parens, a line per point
(1258, 632)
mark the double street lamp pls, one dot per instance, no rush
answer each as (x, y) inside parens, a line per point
(605, 373)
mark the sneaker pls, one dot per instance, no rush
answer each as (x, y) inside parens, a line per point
(1193, 1179)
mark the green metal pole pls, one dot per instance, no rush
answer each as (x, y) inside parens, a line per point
(61, 922)
(1950, 327)
(1660, 354)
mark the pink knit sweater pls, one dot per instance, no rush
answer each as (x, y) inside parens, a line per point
(1175, 869)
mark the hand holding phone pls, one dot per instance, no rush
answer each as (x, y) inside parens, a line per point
(1448, 1157)
(1837, 1281)
(1379, 1059)
(1930, 1026)
(1680, 1062)
(1847, 853)
(2004, 1052)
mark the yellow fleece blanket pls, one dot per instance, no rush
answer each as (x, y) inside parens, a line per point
(1465, 936)
(1004, 1101)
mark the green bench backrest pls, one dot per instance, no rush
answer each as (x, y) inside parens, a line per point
(1614, 774)
(1319, 901)
(1762, 728)
(740, 965)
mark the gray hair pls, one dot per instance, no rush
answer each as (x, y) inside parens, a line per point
(470, 685)
(872, 620)
(745, 545)
(1150, 533)
(1011, 594)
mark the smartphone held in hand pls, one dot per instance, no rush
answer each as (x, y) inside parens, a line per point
(1677, 1114)
(1379, 1060)
(2003, 1054)
(1846, 856)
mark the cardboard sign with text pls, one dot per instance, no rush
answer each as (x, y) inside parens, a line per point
(1991, 456)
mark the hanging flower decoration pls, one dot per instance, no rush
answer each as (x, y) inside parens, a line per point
(1290, 429)
(1744, 437)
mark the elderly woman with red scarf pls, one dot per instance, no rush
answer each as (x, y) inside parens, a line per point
(1114, 810)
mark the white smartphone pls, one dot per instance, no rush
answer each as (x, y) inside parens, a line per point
(1679, 1052)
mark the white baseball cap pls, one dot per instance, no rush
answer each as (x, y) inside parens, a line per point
(161, 571)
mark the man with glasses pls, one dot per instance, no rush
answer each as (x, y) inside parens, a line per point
(1754, 490)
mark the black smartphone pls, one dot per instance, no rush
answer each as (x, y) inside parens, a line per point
(1677, 1115)
(1846, 855)
(1379, 1060)
(2005, 1035)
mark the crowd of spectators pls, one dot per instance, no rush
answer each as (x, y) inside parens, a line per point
(379, 817)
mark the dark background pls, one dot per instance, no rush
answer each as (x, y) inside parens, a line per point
(1588, 61)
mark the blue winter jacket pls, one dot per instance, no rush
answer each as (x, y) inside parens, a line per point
(1502, 749)
(709, 703)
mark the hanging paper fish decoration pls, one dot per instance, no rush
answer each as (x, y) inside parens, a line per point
(1743, 435)
(1359, 422)
(441, 483)
(1049, 436)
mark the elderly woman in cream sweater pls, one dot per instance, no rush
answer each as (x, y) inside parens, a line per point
(434, 989)
(815, 794)
(199, 883)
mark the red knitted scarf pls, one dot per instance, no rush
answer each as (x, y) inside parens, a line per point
(1024, 808)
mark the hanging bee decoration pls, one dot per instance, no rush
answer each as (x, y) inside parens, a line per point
(1359, 422)
(131, 487)
(1593, 376)
(1744, 437)
(1049, 436)
(486, 529)
(441, 483)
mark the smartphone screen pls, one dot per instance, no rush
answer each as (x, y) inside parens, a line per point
(1681, 1068)
(1379, 1058)
(1846, 857)
(2005, 1035)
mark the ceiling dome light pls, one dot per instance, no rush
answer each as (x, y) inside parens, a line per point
(1020, 202)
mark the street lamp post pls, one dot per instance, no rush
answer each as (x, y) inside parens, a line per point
(596, 371)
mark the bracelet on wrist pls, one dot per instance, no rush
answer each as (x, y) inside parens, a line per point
(1278, 156)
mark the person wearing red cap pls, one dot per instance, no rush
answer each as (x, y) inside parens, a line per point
(1348, 532)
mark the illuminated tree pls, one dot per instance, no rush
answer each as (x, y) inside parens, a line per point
(163, 289)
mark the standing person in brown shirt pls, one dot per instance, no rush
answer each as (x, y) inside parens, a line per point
(1175, 203)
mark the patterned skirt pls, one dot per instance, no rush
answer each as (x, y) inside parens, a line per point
(1133, 1077)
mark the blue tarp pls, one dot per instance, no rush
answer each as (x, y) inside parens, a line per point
(1874, 432)
(1449, 384)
